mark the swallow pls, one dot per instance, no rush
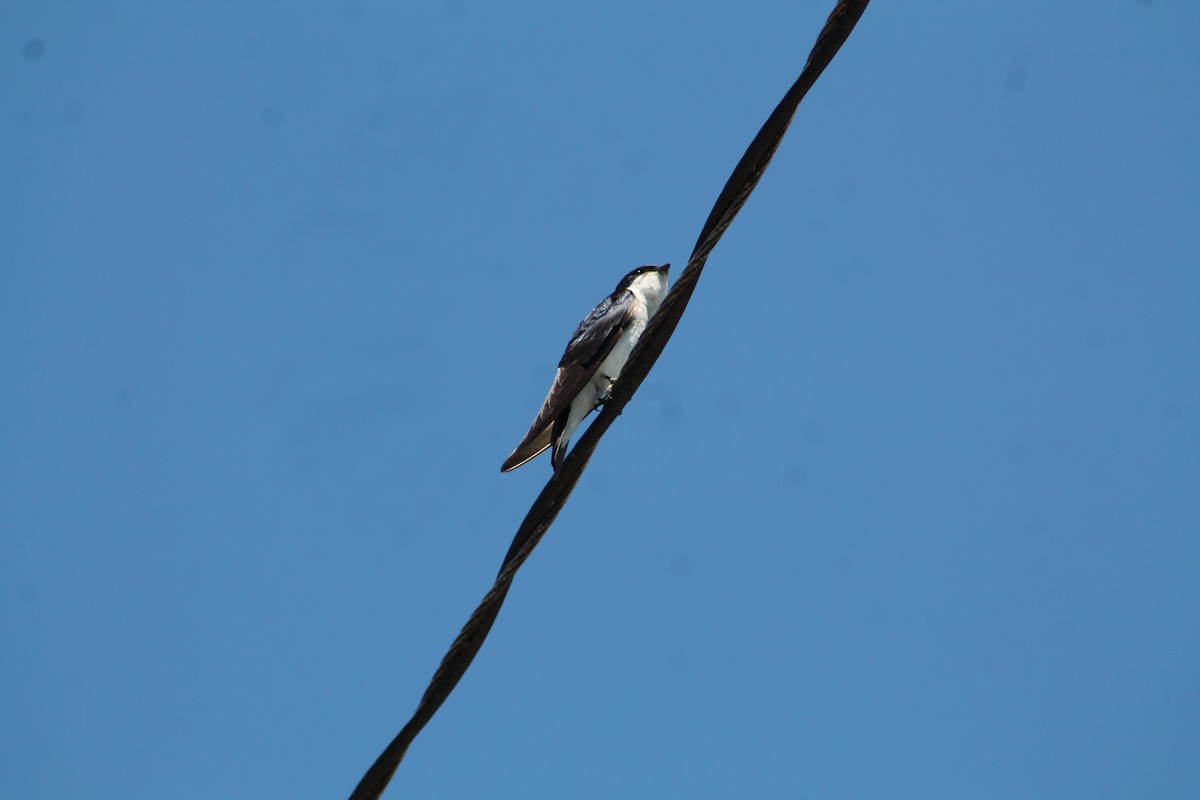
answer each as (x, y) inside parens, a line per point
(592, 363)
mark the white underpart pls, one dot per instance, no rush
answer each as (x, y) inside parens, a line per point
(648, 291)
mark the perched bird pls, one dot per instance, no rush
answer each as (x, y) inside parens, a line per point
(594, 358)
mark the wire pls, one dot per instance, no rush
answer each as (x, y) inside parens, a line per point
(552, 498)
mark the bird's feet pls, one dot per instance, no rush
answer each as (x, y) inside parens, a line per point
(604, 393)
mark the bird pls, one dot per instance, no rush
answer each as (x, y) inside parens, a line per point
(593, 361)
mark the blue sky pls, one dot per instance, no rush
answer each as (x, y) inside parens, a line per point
(910, 506)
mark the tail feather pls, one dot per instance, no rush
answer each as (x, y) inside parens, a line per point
(559, 452)
(527, 450)
(560, 437)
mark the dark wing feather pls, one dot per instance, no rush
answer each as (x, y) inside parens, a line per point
(593, 340)
(591, 343)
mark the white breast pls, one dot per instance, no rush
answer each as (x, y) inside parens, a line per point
(648, 291)
(612, 366)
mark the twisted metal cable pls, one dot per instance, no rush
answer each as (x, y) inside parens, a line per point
(552, 498)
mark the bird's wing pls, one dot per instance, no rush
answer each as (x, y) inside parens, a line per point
(591, 343)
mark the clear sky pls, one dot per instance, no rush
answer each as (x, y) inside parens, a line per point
(910, 506)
